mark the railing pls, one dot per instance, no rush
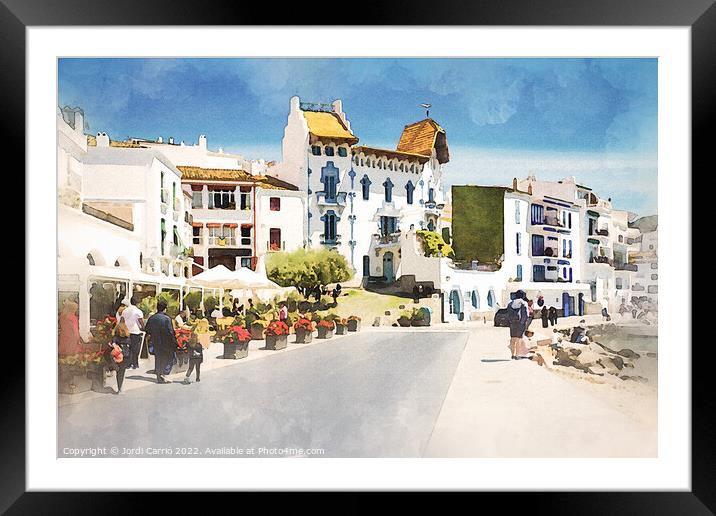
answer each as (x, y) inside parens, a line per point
(626, 267)
(188, 217)
(602, 232)
(335, 241)
(392, 238)
(339, 199)
(222, 241)
(601, 259)
(275, 246)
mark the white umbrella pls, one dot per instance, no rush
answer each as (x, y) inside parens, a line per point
(243, 278)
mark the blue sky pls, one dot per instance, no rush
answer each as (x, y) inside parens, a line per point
(595, 119)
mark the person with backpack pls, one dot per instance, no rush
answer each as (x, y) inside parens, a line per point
(518, 315)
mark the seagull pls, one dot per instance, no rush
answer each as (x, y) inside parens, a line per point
(427, 109)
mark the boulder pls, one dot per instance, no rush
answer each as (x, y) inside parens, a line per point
(628, 353)
(637, 378)
(617, 361)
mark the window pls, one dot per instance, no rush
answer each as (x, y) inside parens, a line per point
(380, 164)
(491, 298)
(329, 151)
(564, 248)
(245, 197)
(275, 239)
(409, 188)
(164, 233)
(569, 220)
(388, 185)
(390, 165)
(537, 214)
(329, 178)
(229, 235)
(245, 235)
(175, 233)
(475, 299)
(564, 272)
(246, 262)
(653, 289)
(431, 194)
(518, 243)
(196, 235)
(196, 200)
(388, 225)
(517, 213)
(654, 265)
(316, 150)
(275, 203)
(329, 227)
(518, 277)
(365, 185)
(655, 277)
(538, 273)
(223, 199)
(621, 239)
(366, 265)
(342, 152)
(214, 234)
(537, 245)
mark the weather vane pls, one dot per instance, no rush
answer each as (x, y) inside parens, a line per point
(427, 109)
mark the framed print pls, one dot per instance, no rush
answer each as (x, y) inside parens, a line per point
(419, 254)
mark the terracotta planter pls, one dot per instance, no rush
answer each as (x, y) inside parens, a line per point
(73, 380)
(257, 332)
(303, 336)
(404, 322)
(324, 333)
(236, 351)
(275, 342)
(341, 329)
(353, 325)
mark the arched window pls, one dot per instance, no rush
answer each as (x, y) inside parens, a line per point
(365, 185)
(90, 259)
(519, 273)
(409, 188)
(329, 150)
(475, 299)
(491, 298)
(342, 152)
(388, 185)
(316, 150)
(431, 194)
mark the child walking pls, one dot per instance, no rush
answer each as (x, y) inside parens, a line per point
(196, 357)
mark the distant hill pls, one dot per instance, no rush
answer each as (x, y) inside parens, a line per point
(646, 224)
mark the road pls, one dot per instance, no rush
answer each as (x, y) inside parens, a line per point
(372, 394)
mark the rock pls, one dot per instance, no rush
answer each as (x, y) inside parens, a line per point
(628, 353)
(651, 355)
(387, 312)
(400, 307)
(639, 379)
(618, 362)
(576, 352)
(605, 347)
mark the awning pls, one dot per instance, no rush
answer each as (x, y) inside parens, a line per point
(213, 225)
(593, 241)
(197, 224)
(592, 213)
(247, 225)
(231, 225)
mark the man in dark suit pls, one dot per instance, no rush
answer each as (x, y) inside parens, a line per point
(160, 330)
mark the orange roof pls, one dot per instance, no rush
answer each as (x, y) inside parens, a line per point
(328, 125)
(214, 174)
(422, 137)
(92, 142)
(390, 153)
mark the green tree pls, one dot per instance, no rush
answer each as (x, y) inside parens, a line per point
(308, 268)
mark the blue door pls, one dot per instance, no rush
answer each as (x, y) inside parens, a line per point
(565, 304)
(388, 267)
(455, 307)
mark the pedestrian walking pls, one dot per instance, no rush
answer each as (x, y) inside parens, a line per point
(283, 312)
(544, 315)
(605, 310)
(119, 352)
(196, 357)
(134, 319)
(530, 312)
(517, 312)
(70, 341)
(163, 339)
(552, 315)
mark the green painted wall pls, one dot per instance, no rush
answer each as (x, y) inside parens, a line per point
(477, 223)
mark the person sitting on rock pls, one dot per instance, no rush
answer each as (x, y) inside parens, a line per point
(579, 334)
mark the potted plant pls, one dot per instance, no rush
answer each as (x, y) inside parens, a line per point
(420, 317)
(325, 328)
(341, 326)
(405, 318)
(73, 371)
(353, 323)
(185, 336)
(276, 335)
(236, 342)
(304, 330)
(257, 328)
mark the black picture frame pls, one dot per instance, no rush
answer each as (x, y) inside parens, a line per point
(700, 15)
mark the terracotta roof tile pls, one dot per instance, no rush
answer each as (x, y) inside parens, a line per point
(214, 174)
(422, 137)
(328, 125)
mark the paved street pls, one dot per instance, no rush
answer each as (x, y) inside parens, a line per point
(372, 394)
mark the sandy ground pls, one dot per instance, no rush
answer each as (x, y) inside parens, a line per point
(497, 407)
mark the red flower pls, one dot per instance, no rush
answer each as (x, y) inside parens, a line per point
(276, 328)
(303, 324)
(236, 334)
(329, 325)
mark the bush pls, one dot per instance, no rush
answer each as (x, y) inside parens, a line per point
(433, 244)
(193, 300)
(172, 301)
(210, 302)
(308, 268)
(148, 306)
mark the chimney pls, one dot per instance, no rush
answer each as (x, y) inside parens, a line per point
(202, 141)
(529, 189)
(171, 140)
(514, 183)
(79, 122)
(102, 140)
(338, 110)
(160, 140)
(295, 104)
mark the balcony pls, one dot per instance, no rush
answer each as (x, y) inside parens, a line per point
(229, 241)
(386, 240)
(626, 267)
(338, 200)
(188, 218)
(335, 241)
(601, 259)
(222, 215)
(274, 247)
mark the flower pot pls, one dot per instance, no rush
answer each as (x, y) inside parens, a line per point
(257, 332)
(324, 333)
(182, 363)
(404, 322)
(303, 336)
(236, 350)
(341, 329)
(204, 339)
(73, 380)
(419, 322)
(97, 375)
(353, 325)
(276, 342)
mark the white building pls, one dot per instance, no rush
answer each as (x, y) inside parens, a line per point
(646, 259)
(360, 199)
(111, 239)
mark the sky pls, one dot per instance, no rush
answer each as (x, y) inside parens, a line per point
(595, 119)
